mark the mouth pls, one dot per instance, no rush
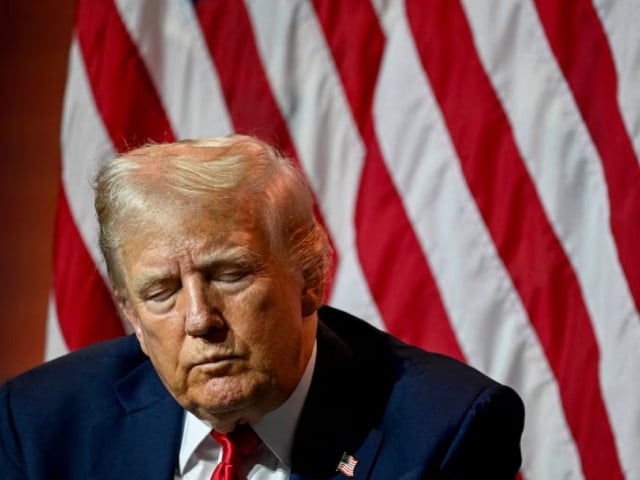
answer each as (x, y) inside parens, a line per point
(216, 361)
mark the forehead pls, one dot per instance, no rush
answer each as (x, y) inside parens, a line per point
(174, 227)
(163, 209)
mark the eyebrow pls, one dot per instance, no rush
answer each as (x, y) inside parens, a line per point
(218, 256)
(146, 282)
(226, 254)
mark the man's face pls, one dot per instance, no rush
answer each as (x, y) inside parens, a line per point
(227, 323)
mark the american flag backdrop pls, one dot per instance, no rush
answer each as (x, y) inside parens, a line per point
(475, 163)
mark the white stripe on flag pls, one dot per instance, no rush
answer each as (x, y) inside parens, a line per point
(489, 320)
(322, 129)
(170, 41)
(565, 166)
(85, 144)
(54, 343)
(620, 20)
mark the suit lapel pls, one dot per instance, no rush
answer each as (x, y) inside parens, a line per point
(345, 403)
(141, 439)
(364, 457)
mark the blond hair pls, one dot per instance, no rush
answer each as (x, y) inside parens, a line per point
(224, 170)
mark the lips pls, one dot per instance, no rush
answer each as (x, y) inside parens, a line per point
(215, 360)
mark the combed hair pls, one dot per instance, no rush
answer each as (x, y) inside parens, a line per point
(221, 170)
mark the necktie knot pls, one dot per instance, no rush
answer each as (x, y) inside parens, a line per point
(236, 447)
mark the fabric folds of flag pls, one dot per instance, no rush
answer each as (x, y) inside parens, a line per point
(475, 164)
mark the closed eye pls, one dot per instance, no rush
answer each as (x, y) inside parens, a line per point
(230, 272)
(159, 291)
(231, 276)
(160, 296)
(160, 301)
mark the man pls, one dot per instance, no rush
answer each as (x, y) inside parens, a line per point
(218, 264)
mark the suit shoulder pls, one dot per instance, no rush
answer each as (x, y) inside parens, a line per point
(92, 367)
(438, 415)
(411, 360)
(421, 380)
(438, 375)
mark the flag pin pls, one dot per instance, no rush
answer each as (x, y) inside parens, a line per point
(347, 464)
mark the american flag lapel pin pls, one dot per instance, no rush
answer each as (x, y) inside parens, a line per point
(347, 465)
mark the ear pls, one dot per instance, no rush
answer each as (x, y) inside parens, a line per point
(311, 301)
(130, 315)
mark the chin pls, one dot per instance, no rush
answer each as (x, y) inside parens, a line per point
(224, 397)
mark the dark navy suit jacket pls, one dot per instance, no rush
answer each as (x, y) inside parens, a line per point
(402, 413)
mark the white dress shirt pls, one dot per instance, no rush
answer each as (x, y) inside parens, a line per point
(200, 453)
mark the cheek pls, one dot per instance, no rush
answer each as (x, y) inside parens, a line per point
(249, 311)
(262, 311)
(163, 343)
(270, 324)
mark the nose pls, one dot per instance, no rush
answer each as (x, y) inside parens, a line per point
(202, 313)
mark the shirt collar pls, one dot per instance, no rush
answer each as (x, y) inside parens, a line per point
(276, 429)
(194, 432)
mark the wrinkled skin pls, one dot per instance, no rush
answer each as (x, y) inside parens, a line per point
(227, 323)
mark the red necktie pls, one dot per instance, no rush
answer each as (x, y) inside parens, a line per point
(236, 446)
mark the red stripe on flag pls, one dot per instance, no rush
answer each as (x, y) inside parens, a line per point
(132, 114)
(86, 313)
(251, 104)
(246, 89)
(387, 244)
(581, 48)
(515, 217)
(122, 88)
